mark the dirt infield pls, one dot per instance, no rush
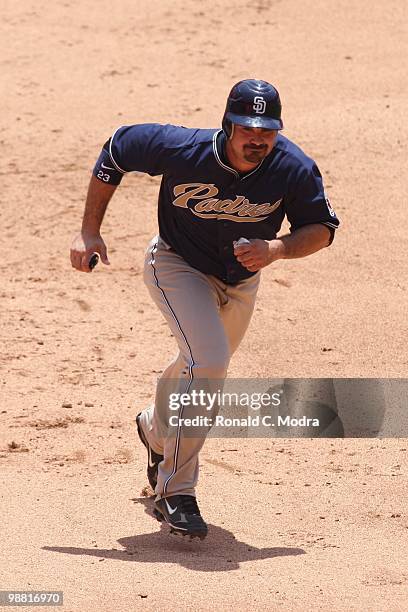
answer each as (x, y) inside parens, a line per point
(295, 524)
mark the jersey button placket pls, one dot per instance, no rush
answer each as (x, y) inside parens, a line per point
(223, 245)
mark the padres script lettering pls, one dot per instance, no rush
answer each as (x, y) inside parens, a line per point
(209, 207)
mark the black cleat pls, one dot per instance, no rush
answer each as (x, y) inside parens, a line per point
(181, 512)
(153, 459)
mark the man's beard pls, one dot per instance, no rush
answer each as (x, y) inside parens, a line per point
(254, 154)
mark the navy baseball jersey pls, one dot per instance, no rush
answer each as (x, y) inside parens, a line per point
(204, 204)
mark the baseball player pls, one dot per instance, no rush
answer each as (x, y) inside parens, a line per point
(223, 196)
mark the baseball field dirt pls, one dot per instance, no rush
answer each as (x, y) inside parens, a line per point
(294, 524)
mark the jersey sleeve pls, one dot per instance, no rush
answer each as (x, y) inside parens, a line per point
(149, 147)
(307, 202)
(105, 170)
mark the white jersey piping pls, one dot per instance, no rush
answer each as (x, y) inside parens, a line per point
(217, 157)
(110, 152)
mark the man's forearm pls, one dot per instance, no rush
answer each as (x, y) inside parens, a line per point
(302, 242)
(97, 200)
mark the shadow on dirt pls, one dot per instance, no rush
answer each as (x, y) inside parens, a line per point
(219, 552)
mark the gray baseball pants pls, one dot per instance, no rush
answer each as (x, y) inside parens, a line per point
(208, 319)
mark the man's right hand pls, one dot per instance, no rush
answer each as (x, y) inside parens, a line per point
(82, 249)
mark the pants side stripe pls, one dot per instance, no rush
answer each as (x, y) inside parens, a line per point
(190, 368)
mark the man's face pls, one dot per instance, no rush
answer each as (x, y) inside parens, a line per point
(248, 146)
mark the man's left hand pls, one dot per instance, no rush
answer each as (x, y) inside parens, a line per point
(259, 253)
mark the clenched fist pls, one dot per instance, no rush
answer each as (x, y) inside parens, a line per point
(257, 253)
(82, 249)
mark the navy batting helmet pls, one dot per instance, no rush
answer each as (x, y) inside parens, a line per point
(253, 103)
